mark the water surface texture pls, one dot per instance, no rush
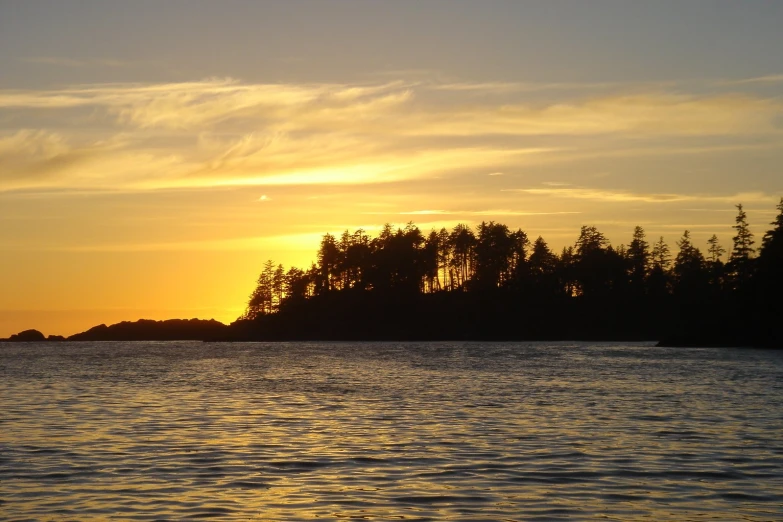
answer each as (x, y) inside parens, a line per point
(385, 431)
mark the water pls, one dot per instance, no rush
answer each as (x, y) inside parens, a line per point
(384, 431)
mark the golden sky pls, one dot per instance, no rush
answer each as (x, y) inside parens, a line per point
(154, 155)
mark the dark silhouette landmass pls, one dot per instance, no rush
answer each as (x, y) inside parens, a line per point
(141, 330)
(148, 330)
(26, 336)
(493, 283)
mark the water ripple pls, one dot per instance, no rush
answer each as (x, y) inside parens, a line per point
(389, 431)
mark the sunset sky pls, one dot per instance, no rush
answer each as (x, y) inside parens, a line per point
(154, 154)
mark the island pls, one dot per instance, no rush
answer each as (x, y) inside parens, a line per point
(495, 284)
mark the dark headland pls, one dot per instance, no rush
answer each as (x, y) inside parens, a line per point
(142, 330)
(494, 284)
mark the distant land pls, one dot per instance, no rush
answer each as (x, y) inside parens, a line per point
(494, 284)
(142, 330)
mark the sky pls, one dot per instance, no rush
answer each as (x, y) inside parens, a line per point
(153, 155)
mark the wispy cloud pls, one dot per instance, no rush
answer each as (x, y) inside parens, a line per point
(222, 132)
(492, 212)
(512, 87)
(70, 62)
(772, 78)
(621, 196)
(385, 108)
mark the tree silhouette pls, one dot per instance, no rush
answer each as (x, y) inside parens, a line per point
(462, 242)
(740, 261)
(772, 242)
(689, 272)
(715, 251)
(329, 260)
(489, 282)
(497, 254)
(715, 266)
(770, 282)
(543, 270)
(639, 260)
(661, 255)
(592, 262)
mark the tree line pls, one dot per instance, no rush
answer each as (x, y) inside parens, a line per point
(466, 269)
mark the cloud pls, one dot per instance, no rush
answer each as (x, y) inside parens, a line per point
(32, 143)
(386, 109)
(772, 78)
(45, 160)
(221, 132)
(189, 105)
(69, 62)
(512, 87)
(620, 196)
(493, 212)
(632, 115)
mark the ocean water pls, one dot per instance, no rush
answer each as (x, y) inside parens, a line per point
(389, 431)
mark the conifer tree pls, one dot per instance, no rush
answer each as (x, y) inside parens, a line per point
(771, 260)
(715, 251)
(715, 265)
(638, 255)
(661, 255)
(740, 260)
(278, 286)
(773, 239)
(689, 273)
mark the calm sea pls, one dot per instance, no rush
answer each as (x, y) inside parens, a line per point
(386, 431)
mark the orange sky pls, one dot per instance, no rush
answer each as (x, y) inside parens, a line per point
(151, 159)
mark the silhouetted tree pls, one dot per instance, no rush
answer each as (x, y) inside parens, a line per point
(543, 268)
(444, 256)
(497, 253)
(740, 261)
(715, 251)
(661, 255)
(771, 253)
(260, 302)
(567, 271)
(297, 284)
(769, 305)
(592, 267)
(462, 242)
(689, 274)
(715, 266)
(328, 264)
(278, 286)
(639, 260)
(485, 284)
(431, 256)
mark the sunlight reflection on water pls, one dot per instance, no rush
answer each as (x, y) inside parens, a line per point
(379, 431)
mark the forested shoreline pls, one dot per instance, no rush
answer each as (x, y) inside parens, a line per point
(494, 283)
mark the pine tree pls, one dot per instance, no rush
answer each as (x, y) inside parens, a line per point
(260, 302)
(715, 265)
(638, 255)
(278, 286)
(715, 251)
(740, 260)
(661, 255)
(689, 273)
(773, 239)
